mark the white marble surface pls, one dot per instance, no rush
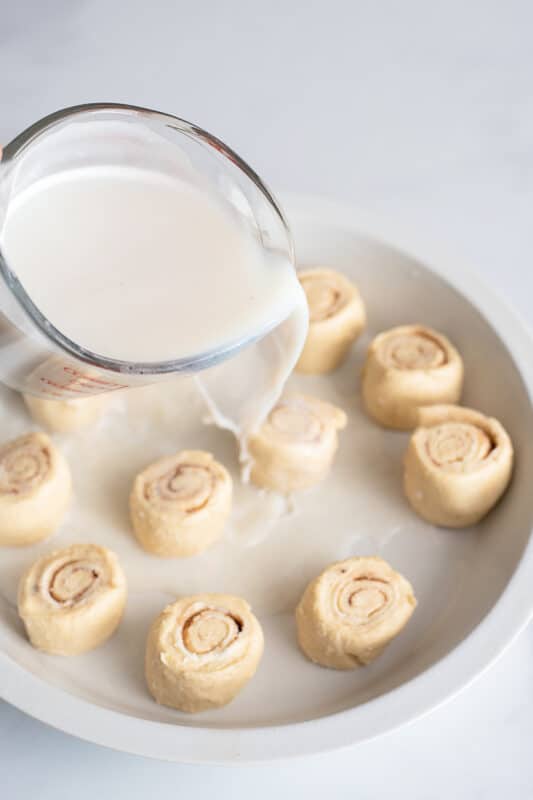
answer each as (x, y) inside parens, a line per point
(419, 111)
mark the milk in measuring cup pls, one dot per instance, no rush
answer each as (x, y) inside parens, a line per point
(141, 267)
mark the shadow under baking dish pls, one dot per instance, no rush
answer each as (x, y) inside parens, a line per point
(458, 576)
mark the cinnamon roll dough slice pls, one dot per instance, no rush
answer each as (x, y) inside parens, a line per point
(337, 317)
(457, 465)
(351, 611)
(35, 489)
(67, 416)
(72, 600)
(179, 505)
(406, 368)
(295, 446)
(201, 651)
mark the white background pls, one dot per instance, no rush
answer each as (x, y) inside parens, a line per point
(419, 111)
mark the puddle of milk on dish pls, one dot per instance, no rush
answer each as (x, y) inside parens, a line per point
(266, 554)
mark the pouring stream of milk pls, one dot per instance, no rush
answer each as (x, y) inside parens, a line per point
(137, 266)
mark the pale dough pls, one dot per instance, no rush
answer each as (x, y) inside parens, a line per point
(351, 611)
(457, 465)
(72, 600)
(35, 489)
(337, 317)
(67, 416)
(406, 368)
(201, 651)
(295, 446)
(179, 505)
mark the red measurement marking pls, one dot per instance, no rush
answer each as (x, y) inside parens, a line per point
(62, 386)
(112, 385)
(67, 381)
(51, 392)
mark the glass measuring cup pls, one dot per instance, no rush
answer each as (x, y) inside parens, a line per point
(36, 357)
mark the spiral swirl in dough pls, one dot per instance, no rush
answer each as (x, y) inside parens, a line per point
(406, 368)
(457, 465)
(67, 416)
(72, 600)
(337, 317)
(179, 505)
(35, 489)
(201, 651)
(295, 446)
(351, 611)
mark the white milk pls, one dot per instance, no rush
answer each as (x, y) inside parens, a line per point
(140, 267)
